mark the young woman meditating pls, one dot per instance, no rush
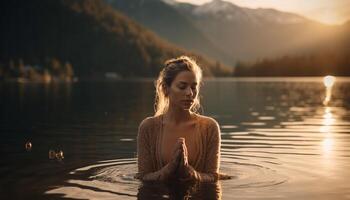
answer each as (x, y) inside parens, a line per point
(177, 143)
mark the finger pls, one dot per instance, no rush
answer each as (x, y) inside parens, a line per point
(175, 158)
(185, 154)
(177, 146)
(185, 150)
(181, 160)
(178, 153)
(179, 143)
(186, 161)
(181, 140)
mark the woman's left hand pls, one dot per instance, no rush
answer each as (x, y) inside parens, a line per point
(185, 171)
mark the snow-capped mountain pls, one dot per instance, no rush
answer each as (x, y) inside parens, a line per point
(248, 34)
(216, 7)
(225, 31)
(224, 10)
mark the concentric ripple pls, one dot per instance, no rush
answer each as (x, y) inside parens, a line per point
(113, 178)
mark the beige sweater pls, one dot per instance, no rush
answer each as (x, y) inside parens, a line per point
(206, 162)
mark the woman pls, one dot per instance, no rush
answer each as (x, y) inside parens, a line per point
(177, 143)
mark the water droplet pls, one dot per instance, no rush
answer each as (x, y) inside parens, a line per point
(59, 155)
(28, 146)
(52, 154)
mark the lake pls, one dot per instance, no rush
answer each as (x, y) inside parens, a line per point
(280, 139)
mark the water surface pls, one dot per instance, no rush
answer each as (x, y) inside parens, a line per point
(279, 141)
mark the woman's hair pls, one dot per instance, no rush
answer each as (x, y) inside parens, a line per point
(167, 75)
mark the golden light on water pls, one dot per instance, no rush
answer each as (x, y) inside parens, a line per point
(327, 145)
(325, 129)
(327, 121)
(328, 117)
(328, 142)
(328, 81)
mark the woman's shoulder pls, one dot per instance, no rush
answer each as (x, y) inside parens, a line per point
(149, 122)
(209, 121)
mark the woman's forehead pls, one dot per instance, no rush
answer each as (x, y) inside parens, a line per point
(186, 77)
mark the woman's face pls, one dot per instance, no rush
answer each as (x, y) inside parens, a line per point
(183, 90)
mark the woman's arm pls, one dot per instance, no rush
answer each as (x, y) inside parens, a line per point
(144, 160)
(211, 170)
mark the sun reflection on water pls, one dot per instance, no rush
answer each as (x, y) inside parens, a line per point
(328, 142)
(328, 119)
(327, 145)
(328, 82)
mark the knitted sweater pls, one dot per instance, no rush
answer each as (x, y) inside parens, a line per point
(207, 160)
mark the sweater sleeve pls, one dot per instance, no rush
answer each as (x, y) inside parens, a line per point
(146, 170)
(211, 172)
(144, 161)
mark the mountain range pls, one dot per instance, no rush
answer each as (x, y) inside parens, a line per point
(165, 20)
(227, 32)
(331, 57)
(89, 34)
(134, 37)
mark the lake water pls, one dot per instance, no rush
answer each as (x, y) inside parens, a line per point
(279, 140)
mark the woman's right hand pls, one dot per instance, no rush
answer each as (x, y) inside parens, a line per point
(177, 155)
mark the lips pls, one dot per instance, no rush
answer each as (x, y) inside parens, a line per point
(188, 101)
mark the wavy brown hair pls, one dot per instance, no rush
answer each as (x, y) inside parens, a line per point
(168, 74)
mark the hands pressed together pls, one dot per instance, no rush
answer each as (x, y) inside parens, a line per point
(179, 165)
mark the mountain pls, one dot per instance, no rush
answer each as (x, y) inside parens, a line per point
(250, 34)
(331, 57)
(166, 21)
(89, 34)
(227, 11)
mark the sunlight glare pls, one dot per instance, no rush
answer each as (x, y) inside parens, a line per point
(328, 81)
(328, 118)
(327, 145)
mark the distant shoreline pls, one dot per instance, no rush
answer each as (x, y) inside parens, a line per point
(205, 79)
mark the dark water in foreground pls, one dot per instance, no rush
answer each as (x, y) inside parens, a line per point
(278, 140)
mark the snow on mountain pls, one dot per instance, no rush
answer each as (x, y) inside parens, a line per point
(216, 7)
(228, 11)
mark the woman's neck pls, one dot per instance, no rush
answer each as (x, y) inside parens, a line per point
(177, 115)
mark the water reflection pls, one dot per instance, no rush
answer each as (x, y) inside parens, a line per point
(268, 144)
(328, 82)
(327, 120)
(328, 142)
(180, 191)
(110, 179)
(327, 145)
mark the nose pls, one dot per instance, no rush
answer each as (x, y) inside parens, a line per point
(189, 92)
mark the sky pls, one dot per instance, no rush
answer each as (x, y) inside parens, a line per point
(326, 11)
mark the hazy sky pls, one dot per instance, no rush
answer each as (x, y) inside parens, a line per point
(326, 11)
